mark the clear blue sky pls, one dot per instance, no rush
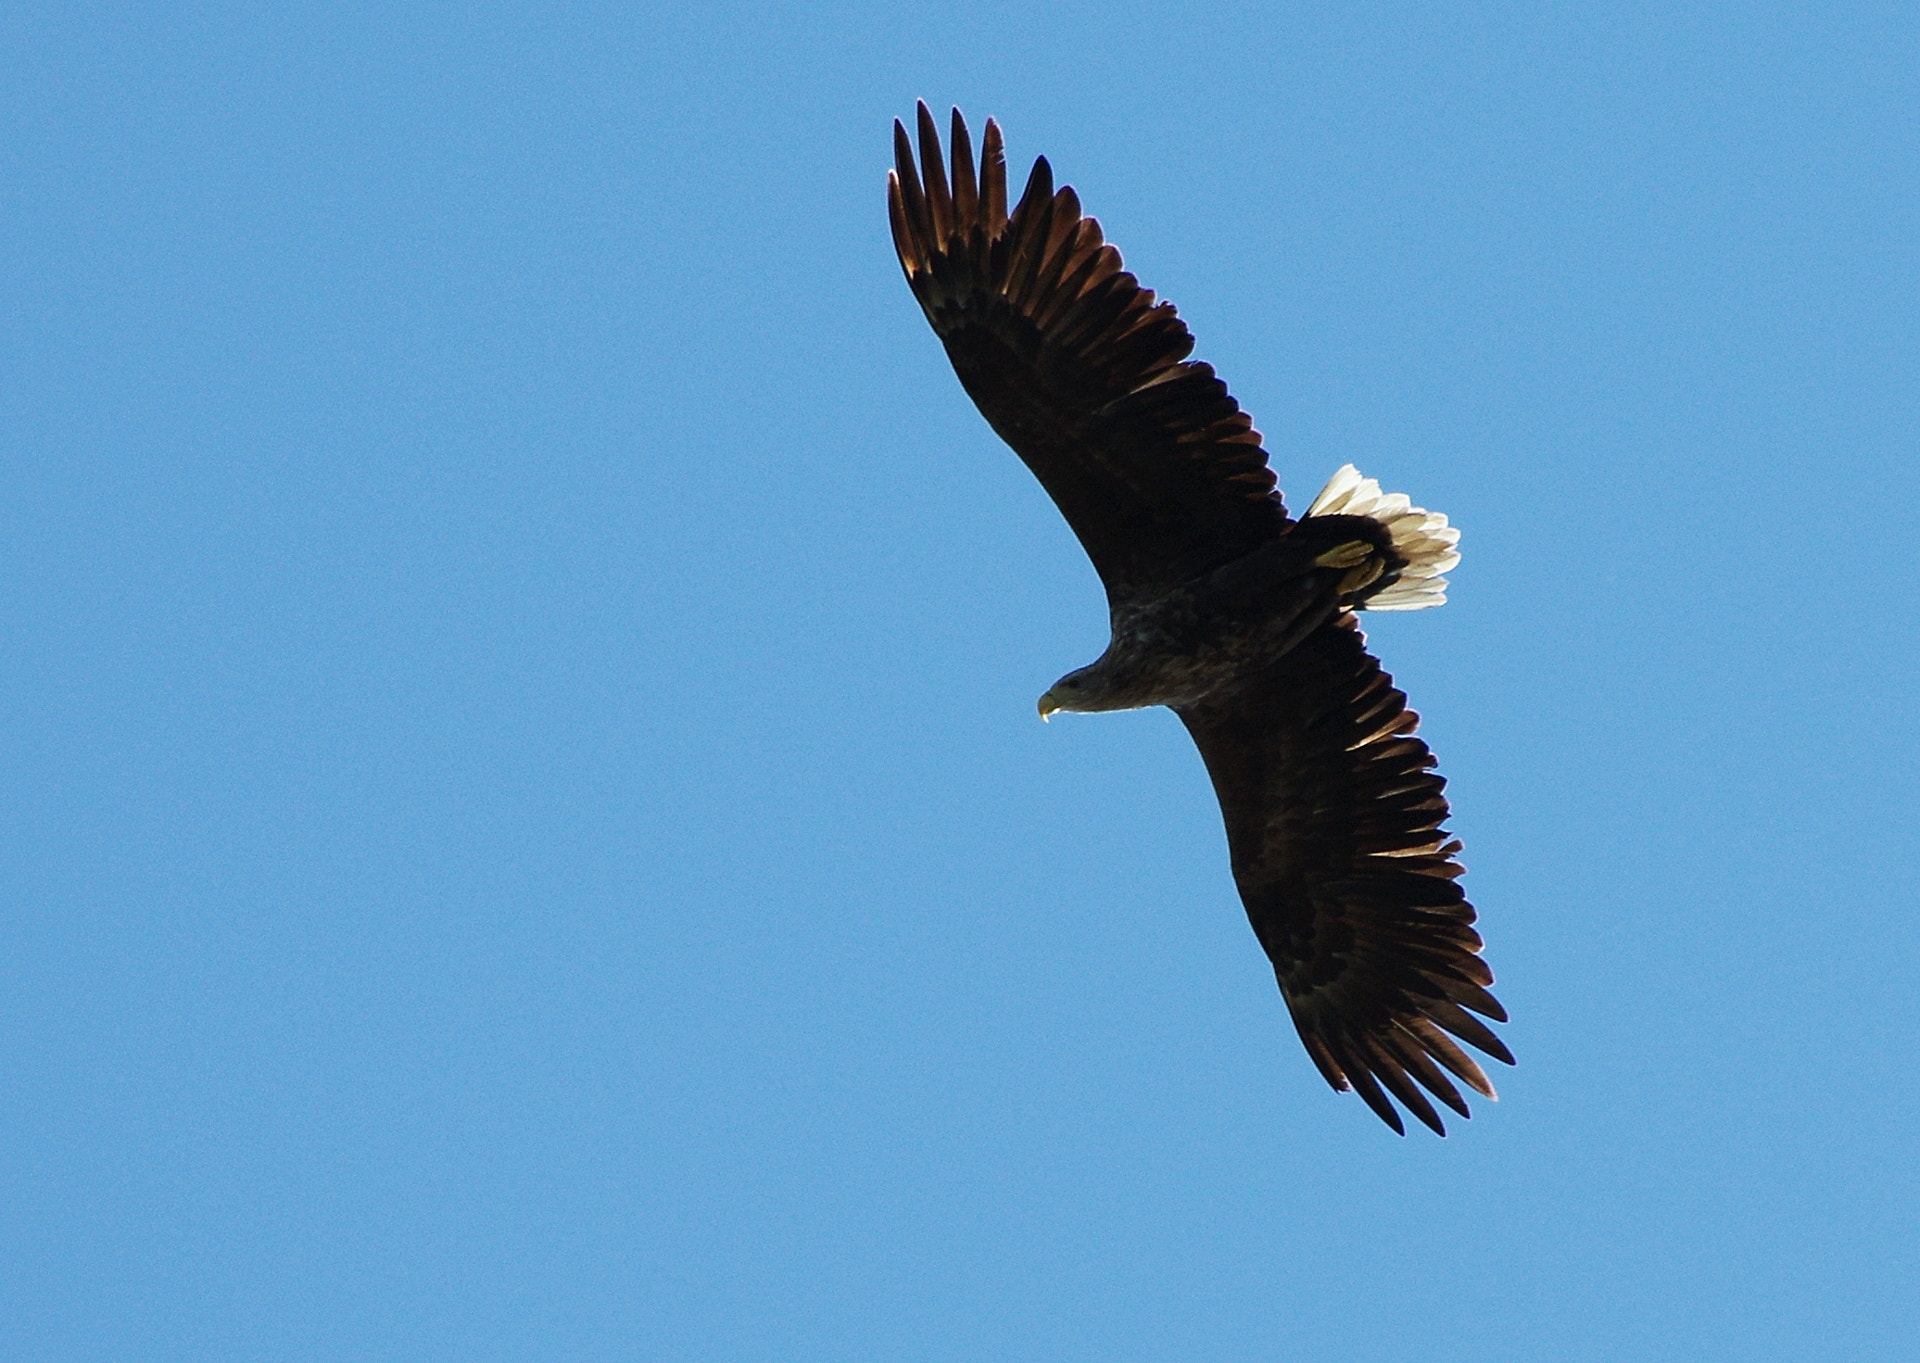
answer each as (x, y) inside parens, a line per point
(525, 830)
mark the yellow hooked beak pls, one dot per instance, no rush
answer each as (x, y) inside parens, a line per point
(1051, 704)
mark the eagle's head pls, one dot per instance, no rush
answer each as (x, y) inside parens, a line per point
(1065, 694)
(1098, 686)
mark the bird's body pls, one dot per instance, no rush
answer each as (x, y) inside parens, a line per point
(1226, 609)
(1200, 639)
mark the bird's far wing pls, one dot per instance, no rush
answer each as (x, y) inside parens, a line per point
(1334, 826)
(1149, 458)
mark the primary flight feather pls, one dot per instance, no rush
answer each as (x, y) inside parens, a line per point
(1237, 616)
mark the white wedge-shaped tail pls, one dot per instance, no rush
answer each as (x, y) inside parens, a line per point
(1423, 538)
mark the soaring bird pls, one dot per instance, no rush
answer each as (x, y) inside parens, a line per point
(1237, 616)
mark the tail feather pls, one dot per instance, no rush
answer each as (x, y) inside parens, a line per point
(1423, 538)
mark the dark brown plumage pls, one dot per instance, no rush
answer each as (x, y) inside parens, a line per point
(1227, 609)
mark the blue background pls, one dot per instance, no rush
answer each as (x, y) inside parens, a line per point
(526, 833)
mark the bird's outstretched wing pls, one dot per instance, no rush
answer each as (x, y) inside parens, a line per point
(1334, 826)
(1149, 458)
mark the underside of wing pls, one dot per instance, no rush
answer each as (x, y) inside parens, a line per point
(1078, 368)
(1334, 825)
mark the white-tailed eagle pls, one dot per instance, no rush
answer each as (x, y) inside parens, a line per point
(1237, 616)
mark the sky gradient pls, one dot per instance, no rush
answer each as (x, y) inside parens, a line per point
(526, 831)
